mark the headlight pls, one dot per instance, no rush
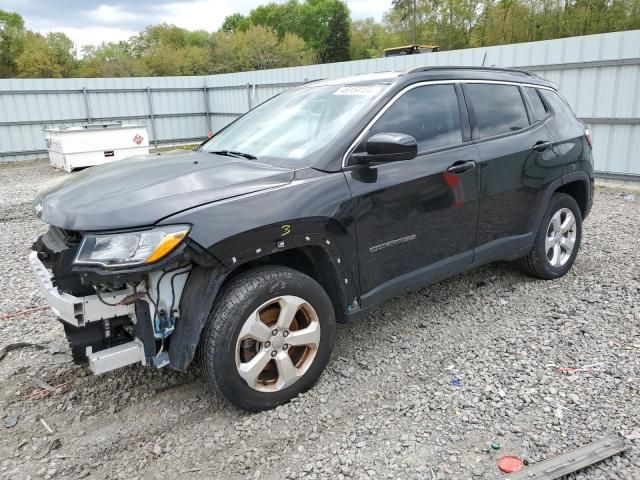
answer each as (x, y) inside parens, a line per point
(130, 248)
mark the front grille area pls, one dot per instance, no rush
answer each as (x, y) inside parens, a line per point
(57, 249)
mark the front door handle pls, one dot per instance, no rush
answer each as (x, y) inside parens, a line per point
(542, 145)
(461, 166)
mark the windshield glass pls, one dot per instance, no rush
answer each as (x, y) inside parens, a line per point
(295, 124)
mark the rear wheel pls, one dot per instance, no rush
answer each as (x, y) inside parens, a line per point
(268, 338)
(558, 240)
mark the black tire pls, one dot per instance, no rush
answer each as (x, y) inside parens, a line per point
(237, 300)
(537, 264)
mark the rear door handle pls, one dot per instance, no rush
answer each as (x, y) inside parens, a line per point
(542, 145)
(461, 166)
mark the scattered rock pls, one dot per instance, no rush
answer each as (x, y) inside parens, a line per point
(10, 421)
(384, 409)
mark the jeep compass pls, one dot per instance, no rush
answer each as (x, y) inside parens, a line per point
(308, 210)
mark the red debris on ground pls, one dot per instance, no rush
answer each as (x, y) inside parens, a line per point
(510, 464)
(27, 311)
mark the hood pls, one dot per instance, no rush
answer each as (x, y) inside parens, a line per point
(140, 191)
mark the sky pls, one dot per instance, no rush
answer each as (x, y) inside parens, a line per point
(96, 21)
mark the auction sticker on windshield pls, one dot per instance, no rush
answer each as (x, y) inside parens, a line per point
(358, 90)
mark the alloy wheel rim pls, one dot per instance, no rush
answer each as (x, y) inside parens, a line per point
(561, 236)
(277, 343)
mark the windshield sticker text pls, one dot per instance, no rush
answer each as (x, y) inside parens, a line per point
(358, 90)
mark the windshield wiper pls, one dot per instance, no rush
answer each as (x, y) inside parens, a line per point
(231, 153)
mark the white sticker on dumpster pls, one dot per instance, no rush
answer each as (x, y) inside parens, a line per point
(358, 90)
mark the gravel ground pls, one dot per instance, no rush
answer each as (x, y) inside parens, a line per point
(418, 390)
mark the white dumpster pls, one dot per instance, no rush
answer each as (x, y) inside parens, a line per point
(94, 144)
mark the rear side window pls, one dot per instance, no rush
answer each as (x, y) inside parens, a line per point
(498, 109)
(430, 114)
(540, 111)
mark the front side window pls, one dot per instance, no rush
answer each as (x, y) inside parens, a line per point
(498, 109)
(296, 124)
(430, 114)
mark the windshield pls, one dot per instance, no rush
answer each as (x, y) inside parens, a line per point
(295, 124)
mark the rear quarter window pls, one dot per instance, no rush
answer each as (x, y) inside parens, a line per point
(559, 106)
(565, 125)
(540, 110)
(498, 109)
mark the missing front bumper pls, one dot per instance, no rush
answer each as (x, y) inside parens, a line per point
(89, 317)
(122, 327)
(79, 311)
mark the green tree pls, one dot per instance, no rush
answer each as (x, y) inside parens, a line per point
(258, 48)
(158, 35)
(406, 15)
(113, 59)
(196, 38)
(170, 50)
(399, 22)
(37, 60)
(64, 52)
(12, 37)
(336, 47)
(325, 26)
(293, 51)
(368, 39)
(299, 32)
(234, 22)
(279, 17)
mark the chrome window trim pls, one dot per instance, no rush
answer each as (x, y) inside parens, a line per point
(408, 88)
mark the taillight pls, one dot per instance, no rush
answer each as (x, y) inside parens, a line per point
(587, 134)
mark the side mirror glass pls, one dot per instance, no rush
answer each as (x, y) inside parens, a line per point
(387, 147)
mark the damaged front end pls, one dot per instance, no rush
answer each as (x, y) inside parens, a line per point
(118, 294)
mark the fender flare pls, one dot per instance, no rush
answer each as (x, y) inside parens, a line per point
(588, 188)
(325, 234)
(204, 283)
(553, 187)
(200, 293)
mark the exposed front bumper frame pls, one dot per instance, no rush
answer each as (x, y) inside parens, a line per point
(116, 357)
(79, 311)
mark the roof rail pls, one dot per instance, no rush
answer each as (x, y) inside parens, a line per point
(462, 67)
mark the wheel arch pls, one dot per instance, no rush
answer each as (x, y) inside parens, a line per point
(579, 190)
(578, 185)
(320, 247)
(316, 261)
(316, 258)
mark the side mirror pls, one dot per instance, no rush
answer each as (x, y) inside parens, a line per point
(387, 147)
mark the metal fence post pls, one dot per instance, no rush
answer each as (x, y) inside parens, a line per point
(207, 108)
(154, 132)
(87, 103)
(249, 95)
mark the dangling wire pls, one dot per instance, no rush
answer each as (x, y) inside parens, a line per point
(156, 303)
(102, 300)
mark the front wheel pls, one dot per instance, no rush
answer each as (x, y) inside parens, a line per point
(557, 241)
(268, 338)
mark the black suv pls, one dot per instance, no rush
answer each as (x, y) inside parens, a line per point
(312, 208)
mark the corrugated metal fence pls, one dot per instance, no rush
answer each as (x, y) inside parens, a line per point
(598, 74)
